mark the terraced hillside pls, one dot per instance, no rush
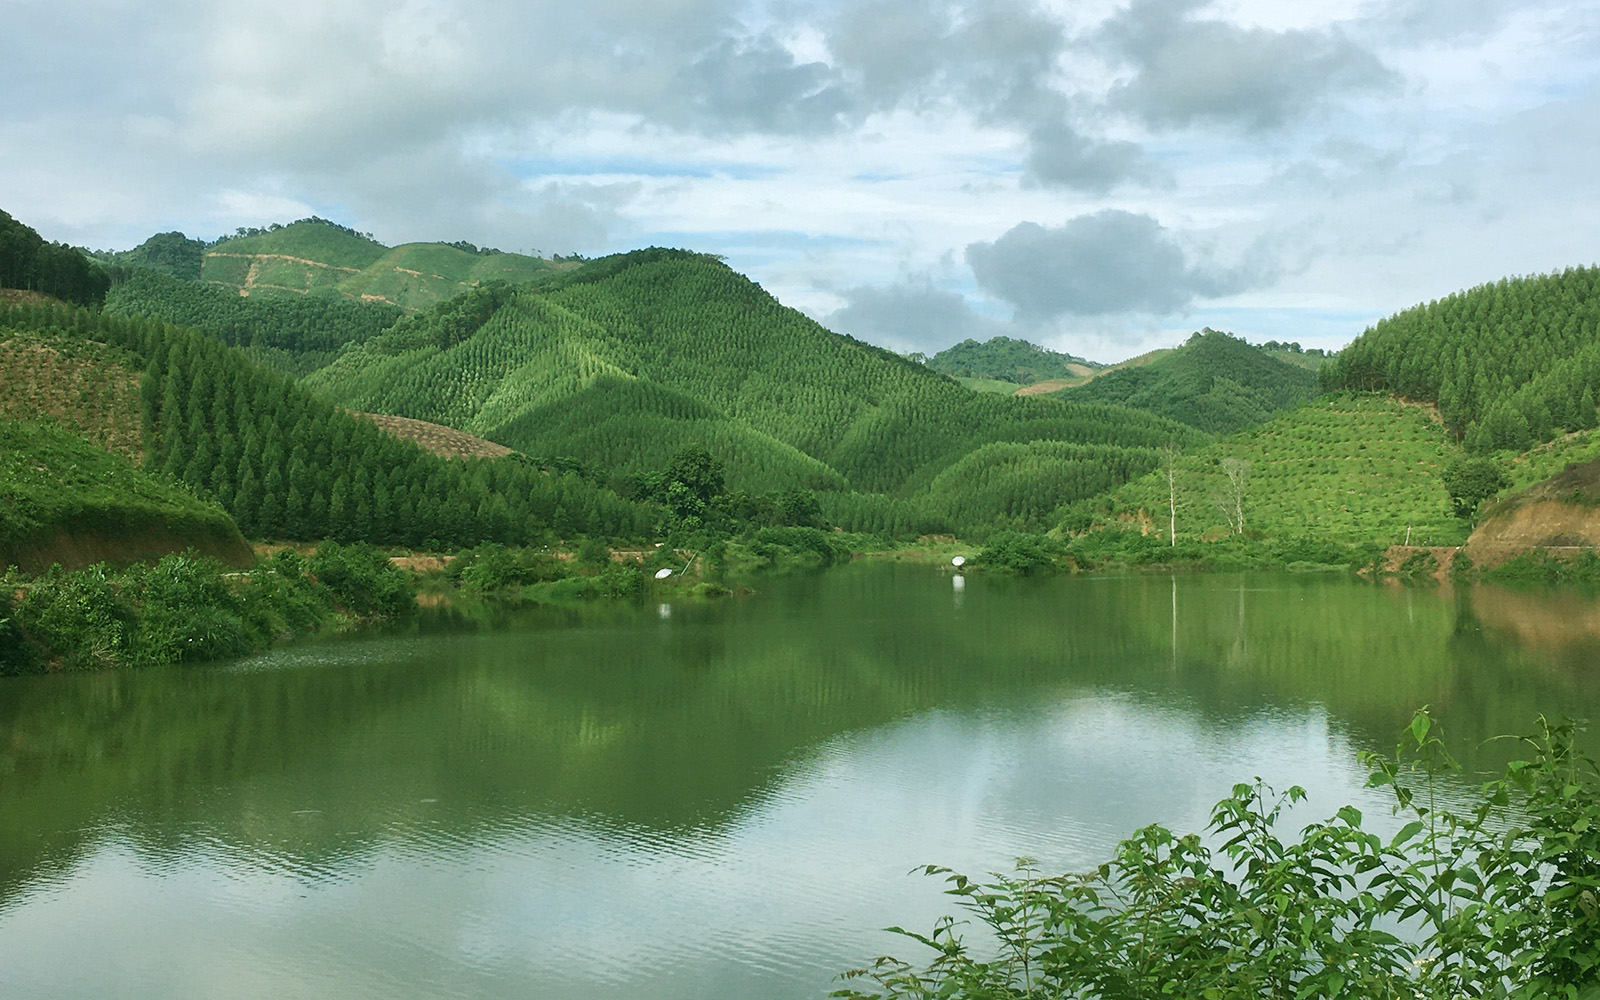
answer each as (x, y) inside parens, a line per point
(1349, 467)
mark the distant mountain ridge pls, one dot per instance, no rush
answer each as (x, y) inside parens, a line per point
(315, 256)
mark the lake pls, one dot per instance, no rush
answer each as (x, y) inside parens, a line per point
(701, 799)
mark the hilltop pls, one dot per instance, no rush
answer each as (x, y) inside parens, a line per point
(315, 257)
(1214, 382)
(1015, 362)
(1509, 364)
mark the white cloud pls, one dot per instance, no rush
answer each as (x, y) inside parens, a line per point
(1369, 154)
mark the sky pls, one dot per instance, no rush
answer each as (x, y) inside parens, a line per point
(1102, 178)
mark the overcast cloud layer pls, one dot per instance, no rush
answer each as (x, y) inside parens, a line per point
(1099, 177)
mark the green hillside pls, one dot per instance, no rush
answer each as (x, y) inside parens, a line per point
(317, 256)
(1003, 359)
(1351, 468)
(1509, 364)
(288, 465)
(62, 499)
(1214, 381)
(295, 334)
(617, 363)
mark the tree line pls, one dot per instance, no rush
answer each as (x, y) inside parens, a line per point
(1509, 364)
(287, 464)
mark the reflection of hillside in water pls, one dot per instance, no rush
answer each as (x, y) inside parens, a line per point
(1562, 627)
(316, 754)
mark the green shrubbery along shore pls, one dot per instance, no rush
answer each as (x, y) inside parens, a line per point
(1495, 899)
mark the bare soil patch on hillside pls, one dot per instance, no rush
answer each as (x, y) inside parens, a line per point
(437, 438)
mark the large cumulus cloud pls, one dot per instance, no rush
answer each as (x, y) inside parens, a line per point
(1103, 263)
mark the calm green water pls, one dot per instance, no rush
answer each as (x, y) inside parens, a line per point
(716, 800)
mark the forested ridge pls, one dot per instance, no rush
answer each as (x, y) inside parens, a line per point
(1008, 360)
(296, 334)
(1215, 382)
(1509, 364)
(622, 361)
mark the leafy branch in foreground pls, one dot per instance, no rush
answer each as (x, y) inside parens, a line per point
(1495, 900)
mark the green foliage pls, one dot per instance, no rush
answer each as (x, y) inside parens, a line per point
(1215, 382)
(362, 580)
(296, 335)
(1509, 364)
(630, 358)
(52, 481)
(172, 254)
(1495, 900)
(1348, 468)
(1471, 481)
(1541, 566)
(490, 568)
(1007, 360)
(286, 464)
(54, 269)
(1019, 552)
(181, 609)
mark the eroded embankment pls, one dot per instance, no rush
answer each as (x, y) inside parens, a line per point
(1542, 524)
(74, 549)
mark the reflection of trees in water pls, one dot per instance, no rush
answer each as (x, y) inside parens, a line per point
(611, 712)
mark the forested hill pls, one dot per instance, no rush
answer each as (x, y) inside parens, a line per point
(1007, 360)
(1214, 381)
(1509, 364)
(625, 360)
(296, 334)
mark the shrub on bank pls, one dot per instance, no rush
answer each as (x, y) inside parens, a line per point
(1497, 899)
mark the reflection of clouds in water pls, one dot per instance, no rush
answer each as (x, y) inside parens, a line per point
(772, 904)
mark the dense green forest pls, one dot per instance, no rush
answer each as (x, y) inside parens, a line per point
(1214, 381)
(295, 334)
(1008, 360)
(620, 363)
(1509, 364)
(287, 464)
(55, 269)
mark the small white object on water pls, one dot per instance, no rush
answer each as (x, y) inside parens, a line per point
(959, 561)
(663, 572)
(958, 583)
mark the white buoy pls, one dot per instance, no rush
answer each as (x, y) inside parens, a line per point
(958, 561)
(663, 572)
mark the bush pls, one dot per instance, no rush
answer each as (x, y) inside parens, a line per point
(1019, 552)
(363, 581)
(1497, 900)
